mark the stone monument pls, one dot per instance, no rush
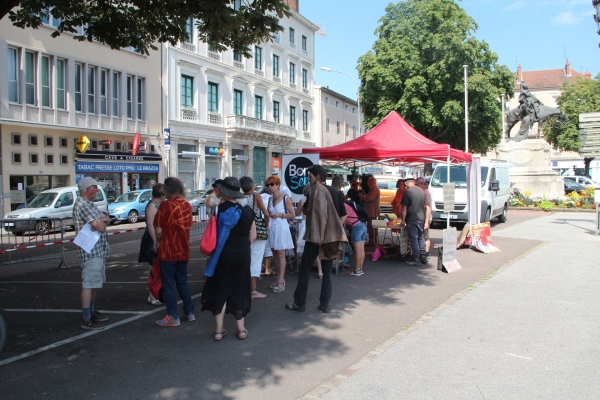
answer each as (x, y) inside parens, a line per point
(530, 159)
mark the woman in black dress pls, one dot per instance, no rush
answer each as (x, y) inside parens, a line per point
(228, 290)
(149, 238)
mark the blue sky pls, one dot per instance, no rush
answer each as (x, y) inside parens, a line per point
(538, 34)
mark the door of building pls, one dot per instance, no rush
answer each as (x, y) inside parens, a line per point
(259, 164)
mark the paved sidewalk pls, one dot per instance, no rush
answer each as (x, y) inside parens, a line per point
(530, 331)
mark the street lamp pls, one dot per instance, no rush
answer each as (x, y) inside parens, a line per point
(357, 96)
(466, 67)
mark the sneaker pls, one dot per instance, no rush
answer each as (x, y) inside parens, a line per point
(413, 263)
(427, 257)
(168, 321)
(90, 324)
(325, 309)
(191, 317)
(97, 316)
(294, 307)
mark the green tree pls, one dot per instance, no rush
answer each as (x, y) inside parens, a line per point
(582, 96)
(416, 68)
(141, 23)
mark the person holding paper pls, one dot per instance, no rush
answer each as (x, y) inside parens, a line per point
(93, 272)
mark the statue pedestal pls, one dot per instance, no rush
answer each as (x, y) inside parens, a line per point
(530, 169)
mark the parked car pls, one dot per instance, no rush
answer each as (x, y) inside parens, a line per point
(584, 181)
(196, 198)
(49, 204)
(27, 202)
(130, 206)
(571, 186)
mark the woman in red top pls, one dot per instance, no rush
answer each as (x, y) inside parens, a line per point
(397, 202)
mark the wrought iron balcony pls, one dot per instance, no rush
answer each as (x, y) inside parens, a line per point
(188, 114)
(258, 130)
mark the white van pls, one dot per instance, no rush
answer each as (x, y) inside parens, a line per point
(495, 191)
(49, 204)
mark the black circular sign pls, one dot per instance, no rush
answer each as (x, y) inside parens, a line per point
(296, 174)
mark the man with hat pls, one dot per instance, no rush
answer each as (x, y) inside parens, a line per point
(354, 192)
(93, 273)
(420, 182)
(413, 216)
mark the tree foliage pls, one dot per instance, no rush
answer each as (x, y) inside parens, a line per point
(141, 23)
(580, 97)
(416, 68)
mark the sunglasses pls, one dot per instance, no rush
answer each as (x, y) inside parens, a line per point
(271, 184)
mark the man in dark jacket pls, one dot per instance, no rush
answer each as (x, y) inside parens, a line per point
(413, 216)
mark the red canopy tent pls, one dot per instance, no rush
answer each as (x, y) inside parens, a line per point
(392, 141)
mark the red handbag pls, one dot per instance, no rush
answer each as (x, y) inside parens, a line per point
(155, 280)
(209, 239)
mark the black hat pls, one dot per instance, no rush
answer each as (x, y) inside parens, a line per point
(215, 183)
(230, 187)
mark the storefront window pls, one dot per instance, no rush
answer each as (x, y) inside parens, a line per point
(28, 186)
(110, 182)
(186, 166)
(237, 166)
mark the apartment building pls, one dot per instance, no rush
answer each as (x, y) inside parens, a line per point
(337, 117)
(234, 116)
(52, 91)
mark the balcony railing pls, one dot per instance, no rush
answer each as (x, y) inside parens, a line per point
(214, 55)
(188, 114)
(238, 65)
(188, 46)
(259, 72)
(305, 90)
(258, 125)
(214, 118)
(276, 79)
(292, 85)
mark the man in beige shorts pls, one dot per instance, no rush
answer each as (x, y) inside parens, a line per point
(93, 272)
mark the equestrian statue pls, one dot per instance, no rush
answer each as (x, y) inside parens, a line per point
(530, 111)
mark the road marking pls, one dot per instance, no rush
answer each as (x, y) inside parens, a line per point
(514, 355)
(79, 283)
(84, 335)
(68, 311)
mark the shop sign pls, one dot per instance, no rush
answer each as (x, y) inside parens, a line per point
(120, 156)
(295, 174)
(135, 145)
(106, 142)
(276, 163)
(214, 151)
(82, 143)
(90, 166)
(167, 138)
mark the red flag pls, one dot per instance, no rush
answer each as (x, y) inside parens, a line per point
(135, 146)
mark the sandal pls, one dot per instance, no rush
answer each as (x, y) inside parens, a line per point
(279, 288)
(242, 334)
(356, 272)
(220, 335)
(258, 295)
(154, 302)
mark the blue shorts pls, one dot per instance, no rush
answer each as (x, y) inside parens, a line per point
(358, 233)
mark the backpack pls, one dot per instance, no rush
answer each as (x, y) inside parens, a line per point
(361, 213)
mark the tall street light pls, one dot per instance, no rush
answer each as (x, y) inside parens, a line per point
(466, 67)
(357, 96)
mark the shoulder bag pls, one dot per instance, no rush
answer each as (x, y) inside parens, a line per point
(209, 239)
(261, 228)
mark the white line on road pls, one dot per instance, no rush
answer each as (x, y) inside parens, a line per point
(84, 335)
(514, 355)
(66, 310)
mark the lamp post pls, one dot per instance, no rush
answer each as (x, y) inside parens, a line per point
(466, 67)
(357, 96)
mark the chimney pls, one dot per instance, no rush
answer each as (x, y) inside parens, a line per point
(519, 74)
(568, 69)
(294, 5)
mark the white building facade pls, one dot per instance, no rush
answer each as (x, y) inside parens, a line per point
(54, 90)
(233, 116)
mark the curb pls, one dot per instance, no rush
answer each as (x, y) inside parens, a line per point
(381, 348)
(572, 210)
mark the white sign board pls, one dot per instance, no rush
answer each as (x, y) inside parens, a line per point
(294, 174)
(449, 253)
(448, 189)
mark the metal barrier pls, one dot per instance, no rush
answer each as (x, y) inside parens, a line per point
(198, 227)
(29, 240)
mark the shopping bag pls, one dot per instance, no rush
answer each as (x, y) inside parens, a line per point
(209, 240)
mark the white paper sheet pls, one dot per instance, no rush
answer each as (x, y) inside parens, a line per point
(86, 238)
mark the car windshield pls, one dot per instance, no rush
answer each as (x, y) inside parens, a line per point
(458, 175)
(207, 193)
(43, 200)
(127, 197)
(194, 193)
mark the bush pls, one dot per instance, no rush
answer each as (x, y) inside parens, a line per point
(546, 205)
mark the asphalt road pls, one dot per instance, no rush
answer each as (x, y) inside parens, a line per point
(286, 355)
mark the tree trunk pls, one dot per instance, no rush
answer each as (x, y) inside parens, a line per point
(7, 5)
(587, 161)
